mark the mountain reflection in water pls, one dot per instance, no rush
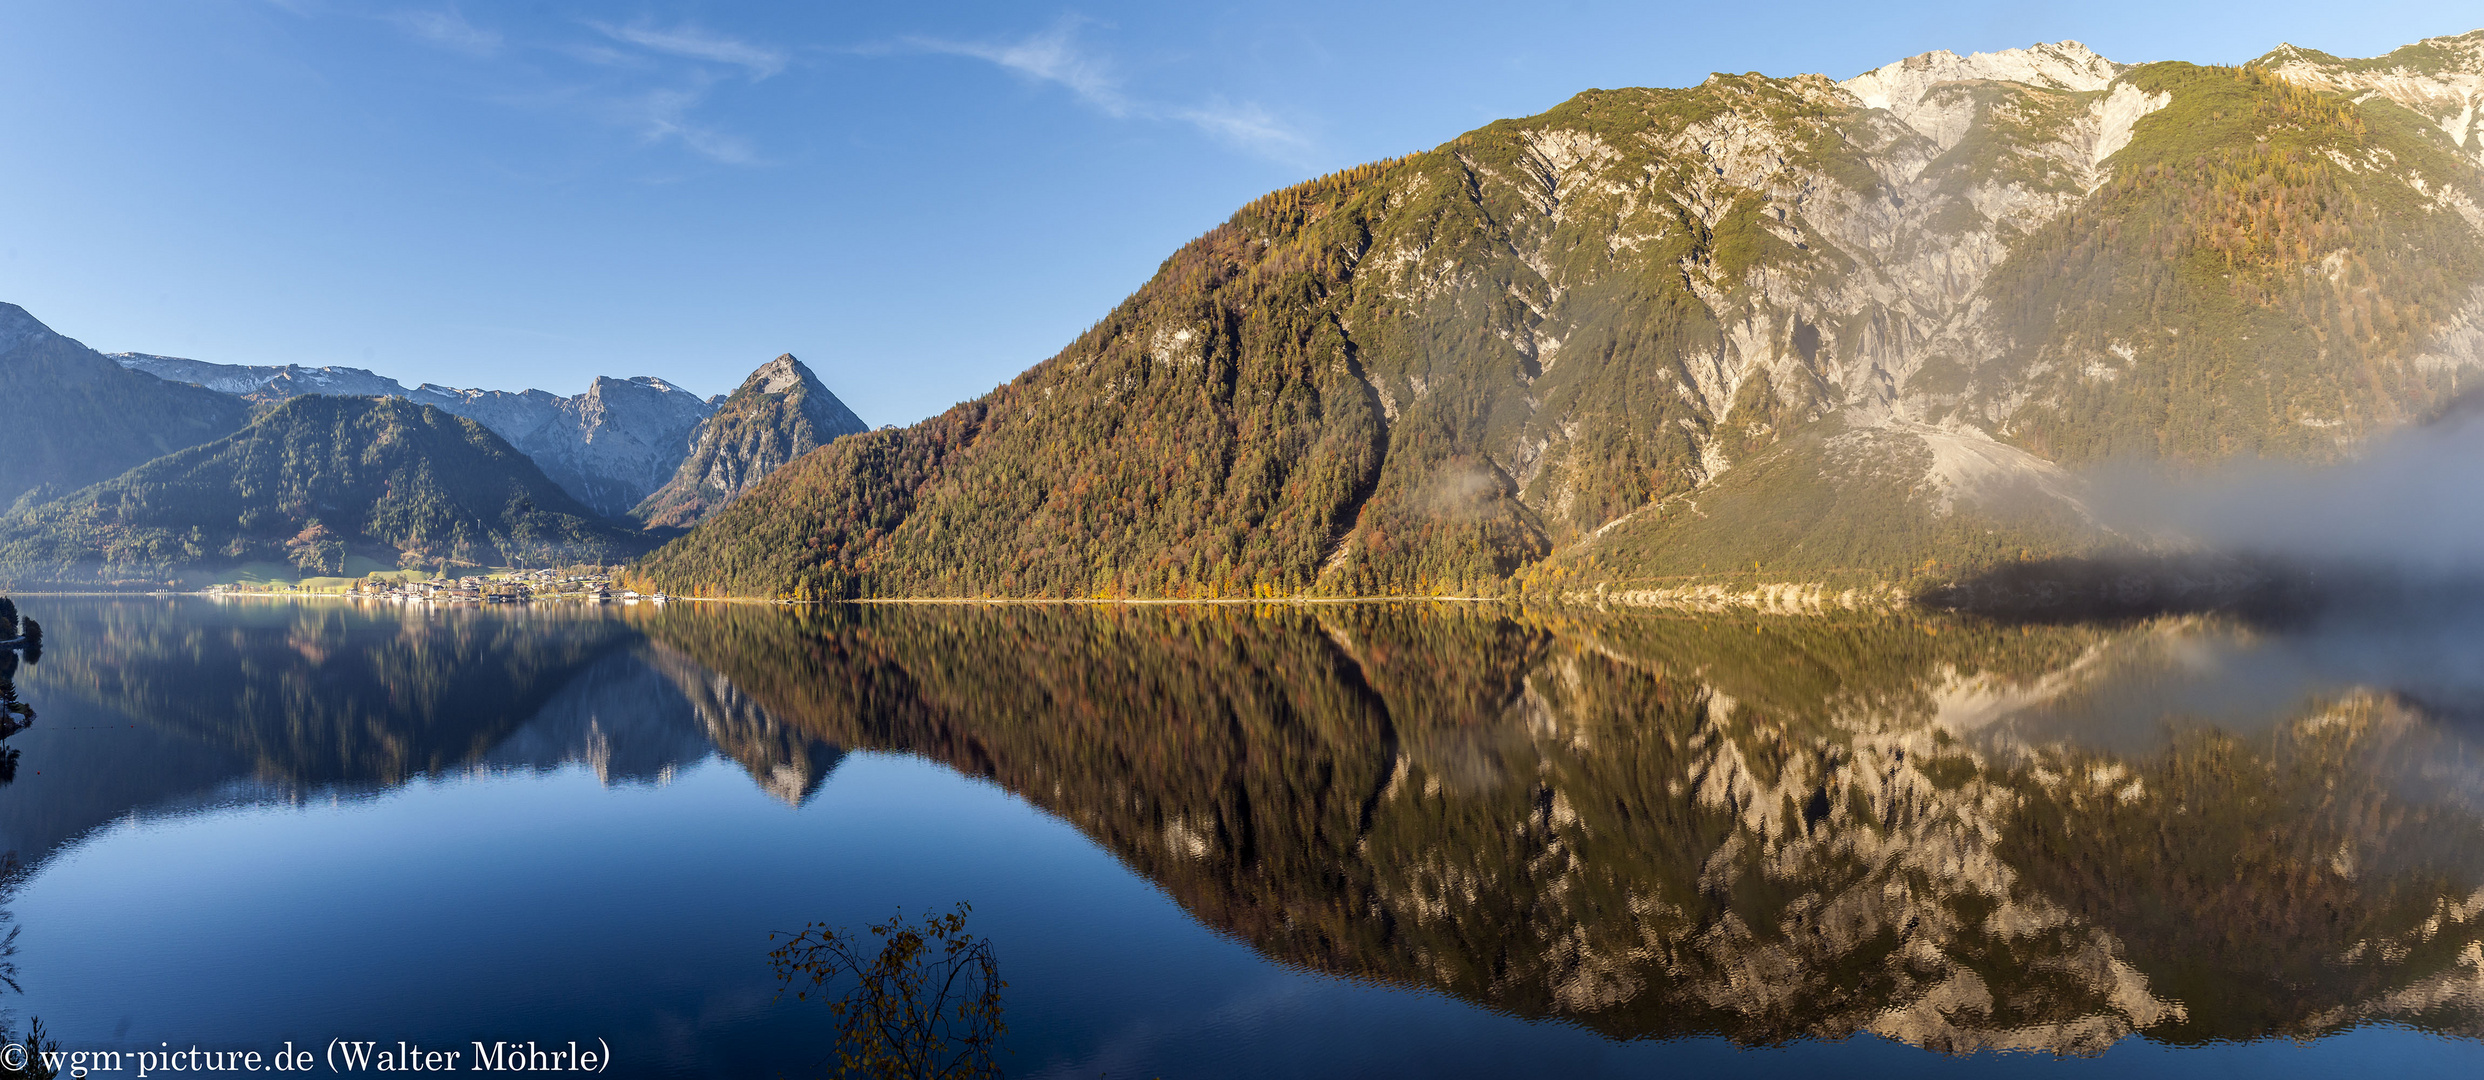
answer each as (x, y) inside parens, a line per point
(1651, 826)
(245, 701)
(1956, 835)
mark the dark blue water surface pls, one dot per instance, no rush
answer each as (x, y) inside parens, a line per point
(1235, 842)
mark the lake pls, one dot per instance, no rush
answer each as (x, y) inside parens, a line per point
(1226, 841)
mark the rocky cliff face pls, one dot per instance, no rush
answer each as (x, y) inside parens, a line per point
(779, 413)
(75, 417)
(609, 447)
(1563, 336)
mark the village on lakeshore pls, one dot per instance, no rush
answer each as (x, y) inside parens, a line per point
(592, 585)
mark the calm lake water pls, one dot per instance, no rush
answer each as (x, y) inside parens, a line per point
(1223, 842)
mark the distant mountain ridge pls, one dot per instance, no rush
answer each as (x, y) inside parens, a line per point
(609, 447)
(1766, 328)
(323, 485)
(259, 382)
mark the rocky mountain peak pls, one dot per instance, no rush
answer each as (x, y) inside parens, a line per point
(2441, 79)
(604, 383)
(779, 413)
(1902, 87)
(1912, 89)
(610, 446)
(779, 375)
(2447, 54)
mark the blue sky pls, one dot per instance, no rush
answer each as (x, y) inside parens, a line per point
(920, 200)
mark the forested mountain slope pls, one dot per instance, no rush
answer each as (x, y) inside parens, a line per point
(608, 447)
(313, 482)
(1617, 341)
(75, 417)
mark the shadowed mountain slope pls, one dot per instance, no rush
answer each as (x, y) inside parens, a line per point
(314, 482)
(608, 447)
(77, 417)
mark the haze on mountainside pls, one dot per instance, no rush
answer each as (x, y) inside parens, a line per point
(2408, 501)
(1759, 329)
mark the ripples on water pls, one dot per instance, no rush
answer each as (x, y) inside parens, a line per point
(1527, 841)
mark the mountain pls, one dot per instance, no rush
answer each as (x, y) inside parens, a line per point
(779, 413)
(77, 417)
(1625, 341)
(609, 447)
(263, 382)
(322, 484)
(2440, 80)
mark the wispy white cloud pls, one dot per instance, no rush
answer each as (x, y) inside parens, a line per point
(1244, 124)
(669, 113)
(1057, 56)
(664, 115)
(642, 79)
(1053, 56)
(447, 29)
(692, 43)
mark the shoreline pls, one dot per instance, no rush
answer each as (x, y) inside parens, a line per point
(1789, 600)
(1793, 598)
